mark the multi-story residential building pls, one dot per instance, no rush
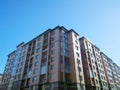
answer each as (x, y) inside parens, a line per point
(108, 71)
(58, 59)
(50, 61)
(95, 78)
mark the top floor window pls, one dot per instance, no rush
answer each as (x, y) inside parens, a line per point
(53, 38)
(53, 32)
(39, 38)
(75, 35)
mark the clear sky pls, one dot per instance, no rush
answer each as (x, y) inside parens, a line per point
(22, 20)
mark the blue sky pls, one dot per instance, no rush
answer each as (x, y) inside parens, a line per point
(22, 20)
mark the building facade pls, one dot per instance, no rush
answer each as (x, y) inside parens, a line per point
(58, 59)
(50, 61)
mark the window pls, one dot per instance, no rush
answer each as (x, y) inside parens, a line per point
(42, 80)
(79, 69)
(30, 73)
(52, 59)
(52, 52)
(53, 32)
(91, 55)
(37, 56)
(80, 77)
(66, 45)
(95, 74)
(89, 44)
(53, 38)
(43, 68)
(51, 76)
(36, 63)
(94, 67)
(52, 45)
(34, 79)
(52, 67)
(44, 56)
(35, 71)
(104, 78)
(15, 77)
(18, 65)
(38, 44)
(77, 48)
(38, 50)
(90, 49)
(99, 65)
(66, 39)
(39, 38)
(24, 53)
(66, 52)
(24, 47)
(21, 63)
(67, 66)
(46, 36)
(78, 61)
(97, 81)
(23, 57)
(92, 61)
(61, 38)
(101, 76)
(19, 76)
(76, 42)
(75, 35)
(17, 71)
(20, 69)
(77, 54)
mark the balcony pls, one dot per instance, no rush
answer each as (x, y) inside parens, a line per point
(67, 78)
(67, 70)
(42, 79)
(23, 83)
(67, 66)
(28, 82)
(29, 73)
(25, 76)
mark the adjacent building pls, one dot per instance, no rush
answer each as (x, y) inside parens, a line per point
(112, 72)
(116, 75)
(107, 62)
(95, 78)
(58, 59)
(50, 61)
